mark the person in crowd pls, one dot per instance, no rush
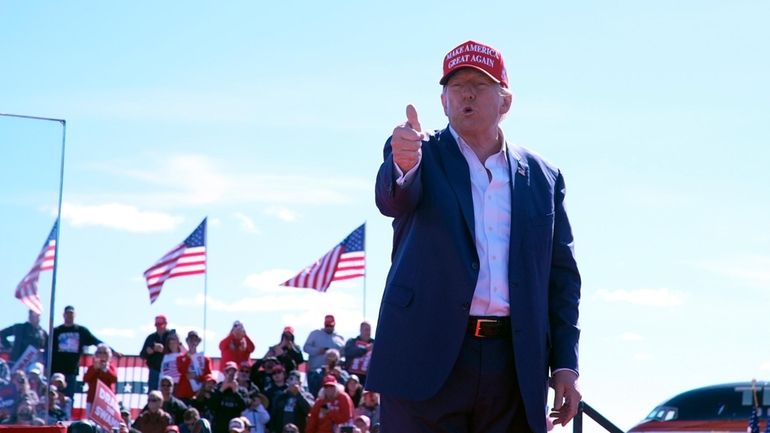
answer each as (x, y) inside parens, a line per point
(262, 372)
(362, 422)
(174, 406)
(244, 378)
(5, 373)
(321, 340)
(358, 352)
(153, 350)
(171, 352)
(237, 346)
(192, 367)
(55, 412)
(125, 416)
(64, 402)
(69, 340)
(25, 415)
(257, 413)
(354, 389)
(26, 334)
(290, 428)
(277, 384)
(100, 370)
(237, 425)
(291, 406)
(287, 352)
(332, 367)
(332, 408)
(37, 383)
(23, 392)
(370, 406)
(202, 399)
(193, 423)
(228, 399)
(153, 418)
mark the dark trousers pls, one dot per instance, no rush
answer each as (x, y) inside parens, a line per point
(153, 381)
(481, 395)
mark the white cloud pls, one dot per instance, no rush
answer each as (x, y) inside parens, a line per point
(631, 336)
(642, 356)
(247, 224)
(765, 366)
(117, 332)
(268, 281)
(282, 213)
(118, 216)
(662, 297)
(751, 270)
(195, 180)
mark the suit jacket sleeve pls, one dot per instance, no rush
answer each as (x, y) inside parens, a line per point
(564, 289)
(392, 199)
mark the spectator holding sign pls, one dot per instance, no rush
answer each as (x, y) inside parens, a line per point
(100, 370)
(192, 367)
(26, 334)
(171, 352)
(358, 352)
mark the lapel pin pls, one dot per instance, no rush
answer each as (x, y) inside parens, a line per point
(521, 170)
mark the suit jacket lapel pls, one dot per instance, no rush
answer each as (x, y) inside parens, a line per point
(520, 192)
(458, 176)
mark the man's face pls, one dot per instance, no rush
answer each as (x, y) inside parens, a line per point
(330, 391)
(34, 318)
(279, 376)
(230, 374)
(329, 329)
(331, 358)
(293, 380)
(69, 317)
(165, 388)
(239, 332)
(473, 102)
(154, 403)
(160, 326)
(366, 330)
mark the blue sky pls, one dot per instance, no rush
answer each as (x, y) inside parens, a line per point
(270, 120)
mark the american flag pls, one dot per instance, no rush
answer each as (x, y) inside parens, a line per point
(346, 260)
(187, 258)
(26, 291)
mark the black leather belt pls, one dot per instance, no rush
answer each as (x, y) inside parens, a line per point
(489, 326)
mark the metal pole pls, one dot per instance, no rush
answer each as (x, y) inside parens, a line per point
(205, 282)
(364, 318)
(49, 357)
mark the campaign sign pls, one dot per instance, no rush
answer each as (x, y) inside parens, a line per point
(105, 410)
(7, 397)
(26, 359)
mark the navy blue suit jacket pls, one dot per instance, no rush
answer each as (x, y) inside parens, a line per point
(426, 302)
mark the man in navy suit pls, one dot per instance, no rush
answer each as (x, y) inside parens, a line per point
(480, 308)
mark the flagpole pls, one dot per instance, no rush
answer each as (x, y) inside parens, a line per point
(205, 283)
(364, 318)
(63, 123)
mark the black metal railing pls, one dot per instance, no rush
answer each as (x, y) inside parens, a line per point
(585, 408)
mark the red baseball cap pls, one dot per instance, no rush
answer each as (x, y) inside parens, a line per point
(160, 318)
(329, 380)
(231, 364)
(288, 330)
(329, 320)
(478, 56)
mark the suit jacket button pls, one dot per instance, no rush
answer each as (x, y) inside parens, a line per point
(475, 266)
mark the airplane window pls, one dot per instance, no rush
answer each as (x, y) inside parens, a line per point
(670, 415)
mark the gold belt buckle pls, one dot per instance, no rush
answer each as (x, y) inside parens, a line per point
(476, 333)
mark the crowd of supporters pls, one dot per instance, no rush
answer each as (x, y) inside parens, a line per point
(279, 392)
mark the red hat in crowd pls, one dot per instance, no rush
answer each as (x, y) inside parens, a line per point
(288, 330)
(208, 378)
(160, 318)
(329, 320)
(278, 369)
(231, 364)
(478, 56)
(329, 380)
